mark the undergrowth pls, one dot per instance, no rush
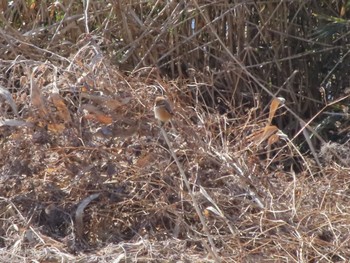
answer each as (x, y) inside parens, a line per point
(253, 168)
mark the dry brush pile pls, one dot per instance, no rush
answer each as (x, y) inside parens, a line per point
(253, 168)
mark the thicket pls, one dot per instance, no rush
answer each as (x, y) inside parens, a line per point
(260, 90)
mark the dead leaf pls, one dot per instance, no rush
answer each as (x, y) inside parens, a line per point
(100, 117)
(276, 102)
(56, 127)
(62, 109)
(146, 160)
(273, 138)
(95, 114)
(264, 134)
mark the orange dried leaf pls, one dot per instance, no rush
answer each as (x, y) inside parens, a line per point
(273, 138)
(255, 136)
(84, 89)
(100, 117)
(96, 114)
(274, 106)
(56, 127)
(264, 134)
(103, 118)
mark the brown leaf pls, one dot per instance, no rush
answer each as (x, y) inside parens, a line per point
(264, 134)
(146, 160)
(56, 127)
(96, 114)
(276, 102)
(103, 118)
(273, 138)
(61, 107)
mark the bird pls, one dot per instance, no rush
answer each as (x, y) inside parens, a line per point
(162, 110)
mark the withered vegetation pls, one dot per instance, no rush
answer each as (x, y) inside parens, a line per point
(254, 168)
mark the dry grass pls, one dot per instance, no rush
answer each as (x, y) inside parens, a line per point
(86, 174)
